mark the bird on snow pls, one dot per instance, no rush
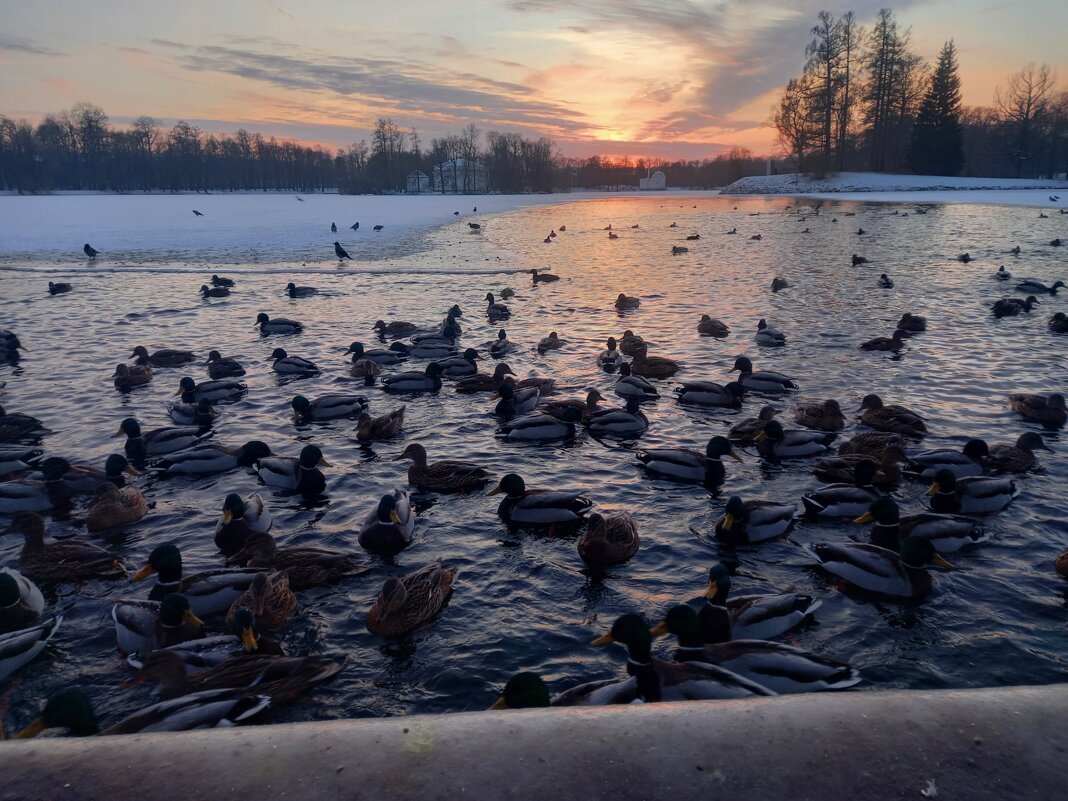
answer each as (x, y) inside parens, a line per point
(198, 213)
(341, 252)
(90, 251)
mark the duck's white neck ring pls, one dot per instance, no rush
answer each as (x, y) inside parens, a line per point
(13, 604)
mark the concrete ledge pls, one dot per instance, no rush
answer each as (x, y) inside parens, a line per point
(971, 745)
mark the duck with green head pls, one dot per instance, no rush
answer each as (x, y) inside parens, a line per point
(750, 522)
(157, 442)
(528, 691)
(682, 464)
(975, 495)
(300, 475)
(388, 528)
(752, 617)
(513, 402)
(328, 407)
(384, 357)
(539, 507)
(899, 575)
(207, 458)
(210, 592)
(144, 626)
(222, 390)
(30, 495)
(240, 518)
(947, 533)
(414, 381)
(21, 603)
(844, 500)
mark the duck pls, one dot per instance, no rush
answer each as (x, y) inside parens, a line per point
(885, 281)
(217, 280)
(870, 443)
(1002, 274)
(1018, 458)
(551, 342)
(539, 507)
(751, 522)
(145, 626)
(969, 461)
(858, 260)
(328, 407)
(557, 408)
(127, 375)
(214, 291)
(295, 291)
(541, 426)
(412, 381)
(658, 680)
(946, 533)
(653, 366)
(460, 366)
(711, 327)
(1037, 287)
(608, 541)
(610, 357)
(625, 302)
(776, 666)
(895, 419)
(745, 431)
(750, 617)
(207, 457)
(891, 343)
(300, 475)
(241, 518)
(626, 422)
(159, 441)
(167, 357)
(27, 495)
(9, 346)
(880, 570)
(223, 367)
(384, 357)
(683, 464)
(427, 349)
(964, 258)
(496, 311)
(15, 461)
(844, 499)
(114, 507)
(515, 401)
(502, 346)
(21, 606)
(1061, 564)
(484, 382)
(16, 426)
(1041, 408)
(527, 690)
(269, 598)
(544, 385)
(448, 475)
(223, 390)
(912, 322)
(633, 386)
(542, 278)
(292, 365)
(776, 443)
(972, 495)
(395, 328)
(279, 325)
(768, 336)
(630, 344)
(506, 293)
(365, 369)
(388, 528)
(22, 645)
(62, 560)
(825, 415)
(306, 567)
(766, 381)
(1058, 323)
(709, 393)
(779, 283)
(843, 468)
(408, 602)
(382, 427)
(209, 592)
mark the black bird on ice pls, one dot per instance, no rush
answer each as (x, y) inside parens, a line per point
(341, 253)
(90, 251)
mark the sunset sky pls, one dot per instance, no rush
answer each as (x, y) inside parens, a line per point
(667, 78)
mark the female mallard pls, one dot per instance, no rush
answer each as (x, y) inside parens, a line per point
(630, 344)
(241, 517)
(382, 427)
(384, 357)
(893, 343)
(542, 278)
(306, 567)
(144, 626)
(21, 646)
(459, 366)
(21, 603)
(768, 336)
(781, 668)
(448, 475)
(653, 366)
(63, 560)
(870, 443)
(200, 414)
(1041, 408)
(969, 461)
(947, 533)
(634, 386)
(750, 522)
(1013, 307)
(328, 407)
(484, 382)
(410, 601)
(885, 281)
(610, 358)
(210, 592)
(16, 426)
(515, 401)
(428, 381)
(627, 422)
(214, 291)
(895, 419)
(843, 468)
(879, 570)
(292, 365)
(496, 311)
(223, 390)
(528, 691)
(113, 507)
(502, 346)
(826, 415)
(761, 380)
(1058, 323)
(556, 408)
(279, 325)
(776, 443)
(207, 458)
(746, 431)
(301, 475)
(1018, 458)
(127, 375)
(294, 291)
(394, 329)
(711, 327)
(912, 322)
(551, 342)
(682, 464)
(388, 528)
(219, 367)
(608, 541)
(671, 681)
(539, 507)
(140, 445)
(365, 369)
(269, 598)
(167, 357)
(625, 302)
(1031, 285)
(974, 495)
(749, 617)
(844, 500)
(540, 426)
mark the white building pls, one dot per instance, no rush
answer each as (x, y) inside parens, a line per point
(418, 182)
(460, 176)
(655, 181)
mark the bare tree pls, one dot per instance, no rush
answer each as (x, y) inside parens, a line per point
(1023, 105)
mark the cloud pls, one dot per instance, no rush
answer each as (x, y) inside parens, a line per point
(170, 44)
(20, 44)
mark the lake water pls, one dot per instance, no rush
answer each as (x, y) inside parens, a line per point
(523, 602)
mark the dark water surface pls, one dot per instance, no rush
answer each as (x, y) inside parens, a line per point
(527, 603)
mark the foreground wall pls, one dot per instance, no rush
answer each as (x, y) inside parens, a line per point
(1000, 744)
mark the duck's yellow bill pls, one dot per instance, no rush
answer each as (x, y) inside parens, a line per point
(32, 730)
(760, 436)
(604, 639)
(495, 491)
(189, 617)
(867, 517)
(227, 516)
(500, 703)
(938, 560)
(248, 639)
(118, 433)
(711, 590)
(933, 490)
(395, 517)
(133, 471)
(734, 455)
(728, 521)
(324, 463)
(143, 573)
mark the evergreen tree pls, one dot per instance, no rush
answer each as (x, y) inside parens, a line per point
(937, 146)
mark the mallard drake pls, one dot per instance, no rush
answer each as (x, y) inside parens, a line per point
(891, 343)
(140, 445)
(16, 427)
(1031, 285)
(1041, 408)
(219, 367)
(1002, 274)
(879, 570)
(167, 357)
(776, 443)
(448, 475)
(779, 283)
(1058, 323)
(1018, 458)
(653, 366)
(21, 604)
(556, 408)
(768, 336)
(394, 329)
(625, 302)
(200, 414)
(541, 426)
(972, 495)
(269, 598)
(10, 345)
(750, 617)
(539, 507)
(20, 646)
(17, 460)
(71, 709)
(709, 393)
(826, 416)
(131, 375)
(63, 560)
(59, 289)
(292, 365)
(113, 507)
(388, 528)
(870, 443)
(750, 522)
(628, 422)
(781, 668)
(610, 358)
(969, 461)
(608, 541)
(484, 382)
(496, 311)
(459, 366)
(502, 346)
(209, 457)
(844, 500)
(528, 691)
(947, 533)
(214, 291)
(885, 281)
(632, 386)
(551, 342)
(223, 390)
(410, 601)
(515, 401)
(382, 427)
(412, 381)
(682, 464)
(542, 278)
(746, 431)
(1013, 307)
(328, 407)
(670, 681)
(843, 468)
(241, 517)
(306, 567)
(630, 344)
(301, 475)
(761, 380)
(279, 325)
(711, 327)
(436, 348)
(895, 419)
(912, 322)
(210, 592)
(144, 626)
(28, 495)
(295, 291)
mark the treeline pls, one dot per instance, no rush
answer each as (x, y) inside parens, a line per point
(866, 100)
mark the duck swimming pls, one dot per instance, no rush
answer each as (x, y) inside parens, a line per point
(971, 495)
(879, 570)
(223, 390)
(166, 357)
(539, 507)
(895, 419)
(761, 380)
(388, 527)
(410, 382)
(682, 464)
(776, 443)
(709, 326)
(1041, 408)
(279, 325)
(447, 475)
(608, 541)
(206, 458)
(947, 533)
(825, 415)
(300, 475)
(328, 407)
(750, 522)
(408, 602)
(292, 365)
(210, 592)
(159, 441)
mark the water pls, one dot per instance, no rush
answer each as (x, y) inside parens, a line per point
(524, 602)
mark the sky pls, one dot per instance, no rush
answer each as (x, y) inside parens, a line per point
(642, 78)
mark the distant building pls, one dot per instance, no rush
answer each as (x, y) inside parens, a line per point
(656, 181)
(460, 176)
(418, 182)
